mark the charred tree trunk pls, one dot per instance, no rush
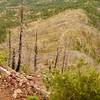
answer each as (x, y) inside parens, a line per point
(13, 59)
(56, 60)
(9, 58)
(35, 52)
(64, 58)
(50, 67)
(20, 39)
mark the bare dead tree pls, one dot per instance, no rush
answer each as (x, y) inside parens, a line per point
(68, 53)
(56, 59)
(64, 58)
(9, 58)
(35, 52)
(50, 67)
(20, 38)
(13, 59)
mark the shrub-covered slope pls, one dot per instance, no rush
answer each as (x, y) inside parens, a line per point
(71, 23)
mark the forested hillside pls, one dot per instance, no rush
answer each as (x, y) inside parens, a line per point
(48, 47)
(46, 8)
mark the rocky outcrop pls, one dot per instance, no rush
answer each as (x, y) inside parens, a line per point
(20, 86)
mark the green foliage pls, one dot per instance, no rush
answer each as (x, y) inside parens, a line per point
(3, 58)
(32, 98)
(47, 9)
(2, 35)
(80, 82)
(26, 69)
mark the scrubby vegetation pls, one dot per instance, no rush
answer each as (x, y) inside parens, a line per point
(54, 47)
(78, 82)
(3, 58)
(32, 98)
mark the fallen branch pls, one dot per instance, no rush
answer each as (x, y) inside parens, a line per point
(43, 92)
(4, 71)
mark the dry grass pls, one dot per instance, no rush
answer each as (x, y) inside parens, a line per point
(53, 32)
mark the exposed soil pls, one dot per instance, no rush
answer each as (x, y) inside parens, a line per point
(17, 87)
(5, 95)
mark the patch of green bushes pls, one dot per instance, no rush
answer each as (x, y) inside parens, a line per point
(78, 82)
(32, 98)
(3, 58)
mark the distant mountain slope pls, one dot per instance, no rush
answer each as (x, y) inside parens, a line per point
(68, 28)
(37, 9)
(59, 23)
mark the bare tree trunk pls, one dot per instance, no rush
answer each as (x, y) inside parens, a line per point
(57, 56)
(35, 52)
(20, 39)
(9, 59)
(13, 59)
(68, 54)
(64, 58)
(50, 67)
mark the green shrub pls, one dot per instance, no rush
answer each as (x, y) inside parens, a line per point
(3, 57)
(78, 83)
(32, 98)
(26, 69)
(2, 35)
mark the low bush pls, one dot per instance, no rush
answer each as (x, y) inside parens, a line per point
(3, 57)
(79, 82)
(32, 98)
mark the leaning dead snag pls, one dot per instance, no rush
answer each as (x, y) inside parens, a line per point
(9, 45)
(35, 52)
(57, 56)
(68, 54)
(20, 38)
(13, 59)
(64, 58)
(4, 71)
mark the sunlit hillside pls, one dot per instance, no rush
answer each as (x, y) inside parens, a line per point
(48, 47)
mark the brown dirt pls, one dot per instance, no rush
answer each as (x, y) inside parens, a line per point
(5, 94)
(17, 87)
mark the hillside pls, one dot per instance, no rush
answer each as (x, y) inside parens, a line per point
(80, 38)
(48, 47)
(37, 9)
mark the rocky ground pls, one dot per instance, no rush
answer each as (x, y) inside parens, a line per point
(17, 87)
